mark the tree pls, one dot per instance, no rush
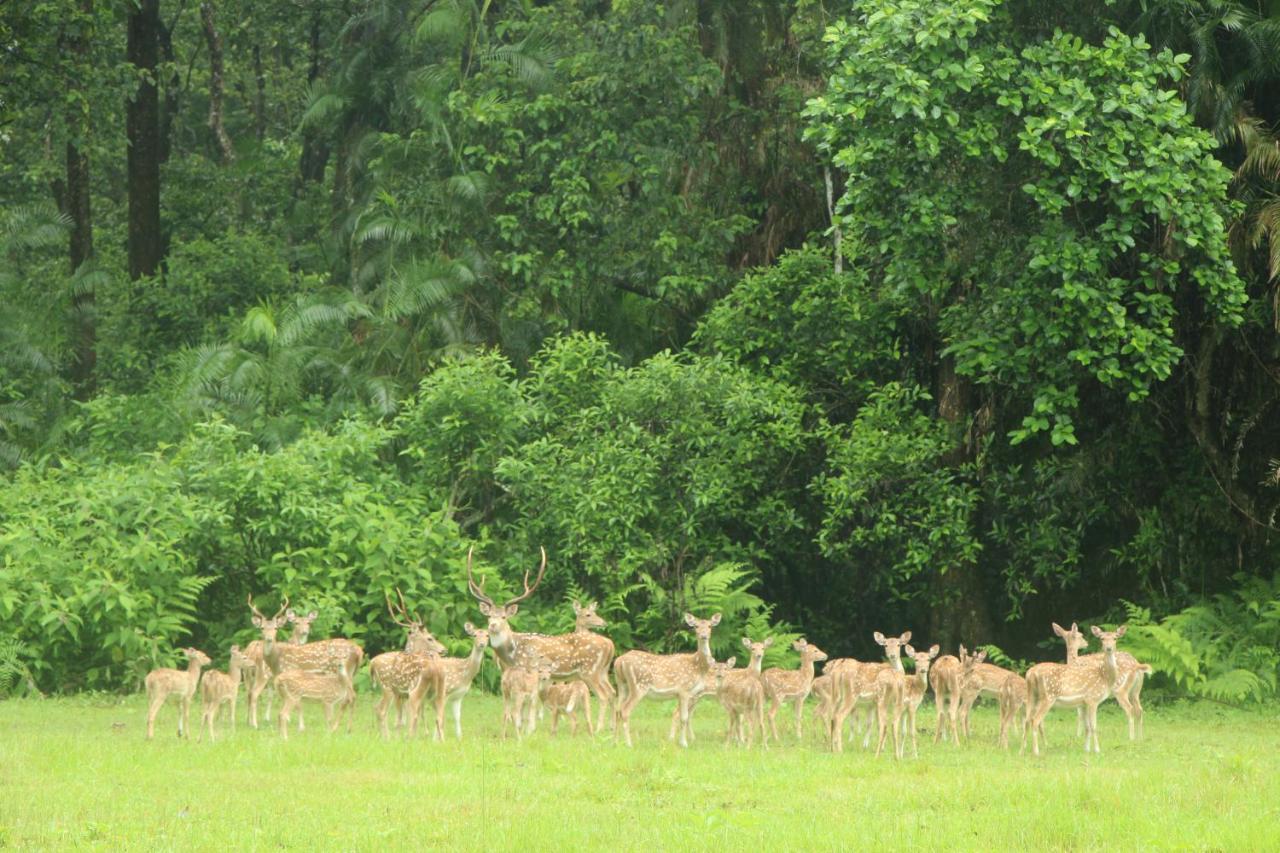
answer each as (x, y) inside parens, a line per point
(146, 242)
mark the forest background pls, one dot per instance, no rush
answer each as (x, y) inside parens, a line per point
(953, 315)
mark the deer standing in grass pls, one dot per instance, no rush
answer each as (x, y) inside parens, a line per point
(333, 690)
(742, 694)
(682, 677)
(792, 685)
(1013, 699)
(756, 651)
(399, 673)
(581, 654)
(217, 689)
(258, 676)
(459, 673)
(855, 682)
(567, 698)
(980, 679)
(1128, 692)
(521, 688)
(1077, 685)
(945, 678)
(178, 683)
(916, 686)
(338, 656)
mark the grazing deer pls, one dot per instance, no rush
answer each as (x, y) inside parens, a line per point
(792, 685)
(1128, 693)
(680, 676)
(916, 686)
(1076, 685)
(521, 688)
(567, 697)
(582, 654)
(179, 683)
(333, 690)
(856, 681)
(400, 674)
(217, 688)
(980, 679)
(459, 673)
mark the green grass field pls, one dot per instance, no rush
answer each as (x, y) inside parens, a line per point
(78, 773)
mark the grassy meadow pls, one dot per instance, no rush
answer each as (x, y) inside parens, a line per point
(78, 773)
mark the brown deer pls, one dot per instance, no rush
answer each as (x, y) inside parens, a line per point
(521, 688)
(855, 682)
(217, 689)
(400, 674)
(582, 654)
(585, 621)
(756, 650)
(944, 677)
(333, 690)
(338, 656)
(742, 694)
(792, 685)
(179, 683)
(980, 679)
(459, 673)
(682, 677)
(1128, 693)
(258, 677)
(395, 671)
(916, 686)
(417, 637)
(1013, 699)
(1076, 685)
(567, 698)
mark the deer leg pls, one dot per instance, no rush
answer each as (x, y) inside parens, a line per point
(283, 719)
(773, 717)
(881, 727)
(1135, 702)
(800, 716)
(380, 711)
(586, 706)
(456, 710)
(911, 721)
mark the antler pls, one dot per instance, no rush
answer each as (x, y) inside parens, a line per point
(476, 591)
(256, 612)
(415, 618)
(528, 590)
(391, 608)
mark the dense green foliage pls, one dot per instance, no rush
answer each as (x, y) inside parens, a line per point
(962, 315)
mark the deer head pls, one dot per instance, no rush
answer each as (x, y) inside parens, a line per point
(893, 646)
(301, 626)
(478, 635)
(585, 617)
(809, 653)
(1108, 639)
(419, 639)
(499, 630)
(719, 669)
(197, 657)
(269, 626)
(1074, 639)
(756, 650)
(922, 660)
(239, 659)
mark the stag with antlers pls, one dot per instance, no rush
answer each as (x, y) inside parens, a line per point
(582, 654)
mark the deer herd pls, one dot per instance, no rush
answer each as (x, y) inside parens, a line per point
(561, 673)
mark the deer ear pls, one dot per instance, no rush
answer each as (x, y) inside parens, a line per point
(290, 615)
(1074, 628)
(731, 661)
(235, 649)
(1097, 632)
(879, 638)
(715, 620)
(577, 609)
(313, 614)
(746, 642)
(512, 610)
(591, 605)
(799, 644)
(1120, 631)
(934, 649)
(469, 628)
(257, 621)
(1059, 630)
(964, 653)
(768, 641)
(906, 637)
(689, 620)
(486, 609)
(910, 651)
(979, 657)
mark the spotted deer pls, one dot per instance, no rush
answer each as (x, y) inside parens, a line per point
(459, 673)
(916, 686)
(567, 698)
(944, 677)
(742, 694)
(417, 637)
(178, 683)
(1013, 701)
(218, 688)
(889, 688)
(1128, 693)
(521, 687)
(581, 654)
(400, 674)
(258, 677)
(756, 652)
(682, 677)
(792, 685)
(1086, 685)
(980, 679)
(333, 690)
(855, 682)
(339, 656)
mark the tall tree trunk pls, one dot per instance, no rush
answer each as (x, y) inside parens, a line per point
(172, 90)
(960, 613)
(226, 152)
(76, 206)
(315, 153)
(142, 126)
(260, 95)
